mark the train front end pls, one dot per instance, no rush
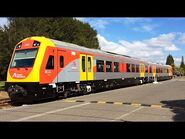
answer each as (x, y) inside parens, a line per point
(23, 74)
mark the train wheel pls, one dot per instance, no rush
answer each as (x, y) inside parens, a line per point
(65, 94)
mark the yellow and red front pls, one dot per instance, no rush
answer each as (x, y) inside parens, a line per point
(26, 63)
(26, 66)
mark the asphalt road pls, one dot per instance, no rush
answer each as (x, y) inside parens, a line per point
(164, 101)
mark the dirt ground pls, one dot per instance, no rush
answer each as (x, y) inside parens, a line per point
(3, 95)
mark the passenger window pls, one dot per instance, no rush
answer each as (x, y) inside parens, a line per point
(108, 66)
(61, 61)
(99, 65)
(137, 68)
(83, 63)
(150, 69)
(128, 67)
(116, 67)
(146, 69)
(89, 64)
(50, 63)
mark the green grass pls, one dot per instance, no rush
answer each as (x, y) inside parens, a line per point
(2, 83)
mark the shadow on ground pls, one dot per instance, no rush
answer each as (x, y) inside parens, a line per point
(177, 107)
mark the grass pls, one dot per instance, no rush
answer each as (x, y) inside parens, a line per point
(2, 83)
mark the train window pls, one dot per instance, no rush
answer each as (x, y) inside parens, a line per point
(83, 63)
(99, 65)
(128, 67)
(24, 58)
(146, 69)
(137, 68)
(89, 64)
(158, 70)
(150, 69)
(50, 63)
(108, 66)
(116, 67)
(133, 68)
(61, 61)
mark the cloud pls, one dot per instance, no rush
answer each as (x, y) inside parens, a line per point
(132, 20)
(96, 23)
(164, 41)
(3, 21)
(177, 60)
(151, 50)
(110, 46)
(182, 38)
(145, 28)
(82, 19)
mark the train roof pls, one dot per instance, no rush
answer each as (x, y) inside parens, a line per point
(97, 51)
(85, 49)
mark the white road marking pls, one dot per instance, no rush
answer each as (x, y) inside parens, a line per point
(49, 112)
(124, 115)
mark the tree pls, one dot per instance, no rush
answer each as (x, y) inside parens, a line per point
(64, 29)
(182, 66)
(170, 61)
(182, 63)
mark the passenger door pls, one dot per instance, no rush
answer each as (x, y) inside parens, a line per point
(142, 70)
(48, 70)
(86, 67)
(60, 63)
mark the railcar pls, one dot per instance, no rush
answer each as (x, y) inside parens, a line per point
(41, 67)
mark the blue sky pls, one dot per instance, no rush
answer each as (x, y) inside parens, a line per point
(144, 38)
(149, 39)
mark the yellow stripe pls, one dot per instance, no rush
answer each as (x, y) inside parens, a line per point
(118, 103)
(101, 102)
(136, 104)
(156, 106)
(69, 100)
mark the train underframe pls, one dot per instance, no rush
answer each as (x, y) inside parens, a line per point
(31, 92)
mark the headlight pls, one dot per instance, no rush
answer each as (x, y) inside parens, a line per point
(36, 43)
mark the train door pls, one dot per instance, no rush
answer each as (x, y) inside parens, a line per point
(48, 70)
(60, 63)
(154, 71)
(142, 70)
(86, 67)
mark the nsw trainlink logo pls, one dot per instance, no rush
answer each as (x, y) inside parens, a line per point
(18, 75)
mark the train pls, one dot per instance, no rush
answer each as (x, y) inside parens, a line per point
(43, 68)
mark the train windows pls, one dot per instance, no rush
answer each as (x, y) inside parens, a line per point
(150, 69)
(116, 67)
(133, 68)
(158, 70)
(83, 63)
(146, 69)
(128, 67)
(61, 61)
(89, 64)
(50, 63)
(137, 68)
(24, 58)
(108, 66)
(99, 65)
